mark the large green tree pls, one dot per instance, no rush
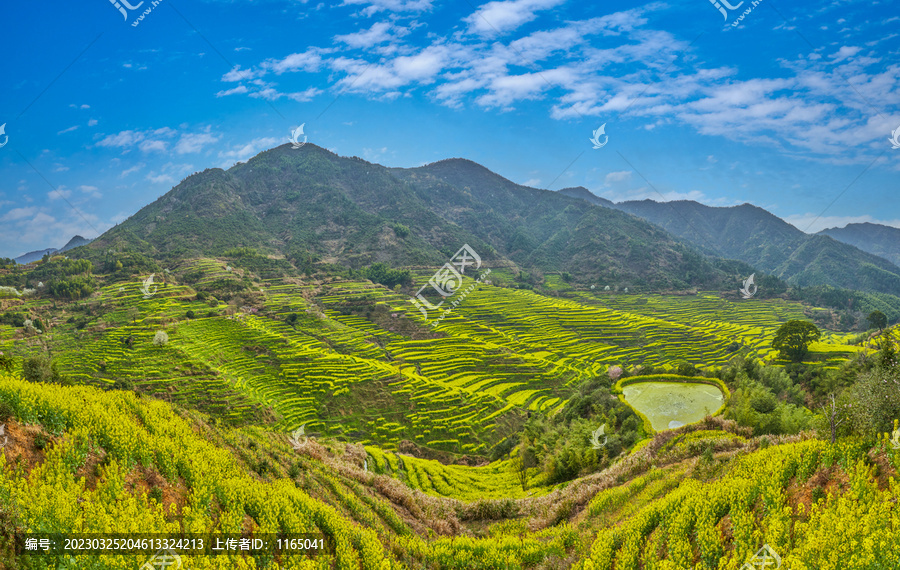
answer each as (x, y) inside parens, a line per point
(877, 320)
(794, 337)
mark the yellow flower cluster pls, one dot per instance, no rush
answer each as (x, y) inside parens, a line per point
(721, 525)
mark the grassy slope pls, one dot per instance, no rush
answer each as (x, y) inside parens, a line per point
(660, 507)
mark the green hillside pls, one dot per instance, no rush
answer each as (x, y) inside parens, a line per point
(755, 236)
(883, 241)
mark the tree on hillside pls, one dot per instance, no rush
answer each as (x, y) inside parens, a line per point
(520, 468)
(875, 401)
(794, 337)
(877, 320)
(833, 415)
(382, 273)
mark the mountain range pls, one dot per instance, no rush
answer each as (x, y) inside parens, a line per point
(346, 211)
(858, 257)
(883, 241)
(314, 204)
(35, 255)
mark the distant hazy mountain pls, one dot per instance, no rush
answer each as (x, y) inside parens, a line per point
(313, 204)
(35, 255)
(753, 235)
(883, 241)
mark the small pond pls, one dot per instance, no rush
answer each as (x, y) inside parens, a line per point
(669, 405)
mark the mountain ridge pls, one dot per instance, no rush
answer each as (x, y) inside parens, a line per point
(761, 239)
(351, 212)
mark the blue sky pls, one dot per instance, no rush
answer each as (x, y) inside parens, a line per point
(790, 108)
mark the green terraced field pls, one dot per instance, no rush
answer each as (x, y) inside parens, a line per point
(360, 362)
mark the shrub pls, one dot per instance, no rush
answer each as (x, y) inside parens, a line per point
(122, 384)
(156, 494)
(41, 441)
(6, 362)
(42, 369)
(189, 314)
(6, 411)
(818, 494)
(400, 230)
(161, 338)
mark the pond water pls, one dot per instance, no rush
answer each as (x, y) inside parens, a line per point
(669, 405)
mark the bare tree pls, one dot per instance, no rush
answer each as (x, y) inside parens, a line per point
(832, 415)
(520, 467)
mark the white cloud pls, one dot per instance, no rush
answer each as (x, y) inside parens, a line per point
(153, 140)
(236, 91)
(309, 61)
(504, 16)
(93, 191)
(248, 151)
(92, 122)
(532, 182)
(69, 130)
(237, 74)
(375, 6)
(844, 53)
(194, 142)
(420, 68)
(153, 146)
(132, 170)
(161, 179)
(272, 94)
(19, 213)
(60, 192)
(618, 176)
(125, 139)
(380, 32)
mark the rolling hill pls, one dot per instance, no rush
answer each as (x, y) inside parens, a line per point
(755, 236)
